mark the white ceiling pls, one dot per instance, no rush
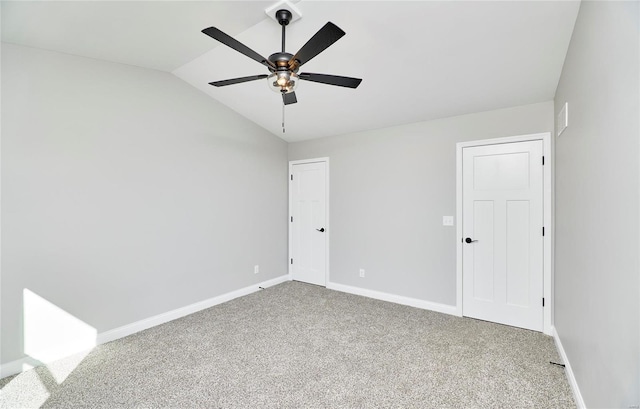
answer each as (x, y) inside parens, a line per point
(161, 35)
(419, 60)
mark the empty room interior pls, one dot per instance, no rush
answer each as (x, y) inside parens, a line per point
(320, 204)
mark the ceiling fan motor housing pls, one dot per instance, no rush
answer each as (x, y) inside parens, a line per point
(281, 61)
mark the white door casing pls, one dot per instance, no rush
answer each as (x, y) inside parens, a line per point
(308, 221)
(502, 206)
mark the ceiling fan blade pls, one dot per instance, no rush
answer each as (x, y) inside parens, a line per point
(327, 35)
(289, 98)
(238, 80)
(236, 45)
(331, 79)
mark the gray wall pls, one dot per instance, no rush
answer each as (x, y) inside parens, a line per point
(597, 266)
(389, 189)
(126, 193)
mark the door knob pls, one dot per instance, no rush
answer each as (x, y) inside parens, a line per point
(321, 230)
(468, 240)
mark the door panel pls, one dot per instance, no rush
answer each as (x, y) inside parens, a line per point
(518, 274)
(501, 172)
(503, 211)
(308, 210)
(483, 271)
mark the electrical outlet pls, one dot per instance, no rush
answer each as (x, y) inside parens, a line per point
(256, 269)
(447, 220)
(362, 273)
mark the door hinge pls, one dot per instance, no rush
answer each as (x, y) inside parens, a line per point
(543, 230)
(291, 219)
(543, 301)
(291, 177)
(291, 261)
(543, 161)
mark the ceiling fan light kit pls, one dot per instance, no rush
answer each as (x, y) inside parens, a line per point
(283, 67)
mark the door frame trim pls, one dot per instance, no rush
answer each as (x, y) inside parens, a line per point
(547, 200)
(326, 214)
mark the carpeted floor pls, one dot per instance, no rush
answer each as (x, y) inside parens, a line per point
(301, 346)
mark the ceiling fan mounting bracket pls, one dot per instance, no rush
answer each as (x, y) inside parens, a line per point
(284, 5)
(283, 17)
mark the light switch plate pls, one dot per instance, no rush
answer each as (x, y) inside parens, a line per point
(447, 220)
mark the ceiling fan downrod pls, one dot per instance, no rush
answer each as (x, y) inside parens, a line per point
(283, 17)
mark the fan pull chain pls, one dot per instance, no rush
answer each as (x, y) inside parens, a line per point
(282, 117)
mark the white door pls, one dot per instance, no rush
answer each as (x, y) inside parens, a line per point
(502, 256)
(308, 222)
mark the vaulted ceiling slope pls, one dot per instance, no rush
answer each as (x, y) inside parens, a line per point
(419, 60)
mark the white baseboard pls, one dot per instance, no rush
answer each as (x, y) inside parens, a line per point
(14, 367)
(19, 365)
(567, 368)
(146, 323)
(398, 299)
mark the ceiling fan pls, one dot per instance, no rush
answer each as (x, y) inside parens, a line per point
(283, 67)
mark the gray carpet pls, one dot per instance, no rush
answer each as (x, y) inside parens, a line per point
(302, 346)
